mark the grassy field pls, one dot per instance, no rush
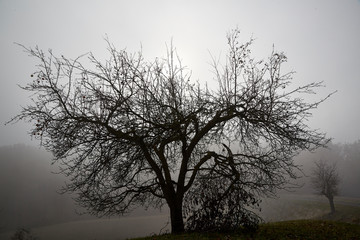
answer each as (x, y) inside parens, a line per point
(295, 207)
(294, 217)
(298, 229)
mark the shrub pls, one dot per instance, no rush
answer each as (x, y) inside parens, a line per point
(23, 234)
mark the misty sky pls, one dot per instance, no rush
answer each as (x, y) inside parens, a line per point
(321, 39)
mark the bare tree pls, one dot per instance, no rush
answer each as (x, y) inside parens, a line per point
(132, 132)
(325, 179)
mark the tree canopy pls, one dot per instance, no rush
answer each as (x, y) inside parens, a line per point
(130, 131)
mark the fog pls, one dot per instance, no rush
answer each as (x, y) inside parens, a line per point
(320, 38)
(347, 160)
(30, 197)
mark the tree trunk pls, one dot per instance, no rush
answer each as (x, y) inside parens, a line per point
(177, 222)
(332, 206)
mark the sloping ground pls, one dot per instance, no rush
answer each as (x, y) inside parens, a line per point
(287, 230)
(295, 207)
(344, 213)
(309, 229)
(289, 207)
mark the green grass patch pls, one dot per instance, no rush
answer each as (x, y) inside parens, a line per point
(308, 229)
(343, 213)
(299, 229)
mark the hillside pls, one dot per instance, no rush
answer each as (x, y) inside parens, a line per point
(288, 230)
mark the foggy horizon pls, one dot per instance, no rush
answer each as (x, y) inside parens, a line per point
(40, 186)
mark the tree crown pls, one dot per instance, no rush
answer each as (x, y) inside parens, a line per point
(131, 131)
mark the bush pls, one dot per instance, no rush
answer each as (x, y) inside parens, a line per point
(23, 234)
(210, 209)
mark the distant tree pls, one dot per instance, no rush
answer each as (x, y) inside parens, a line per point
(132, 132)
(325, 180)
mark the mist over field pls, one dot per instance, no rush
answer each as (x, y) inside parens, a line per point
(30, 197)
(31, 191)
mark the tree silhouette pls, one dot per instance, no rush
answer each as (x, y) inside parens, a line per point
(132, 132)
(325, 180)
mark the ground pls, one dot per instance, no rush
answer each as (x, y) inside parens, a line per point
(297, 229)
(280, 215)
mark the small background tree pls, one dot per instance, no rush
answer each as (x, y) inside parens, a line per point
(325, 180)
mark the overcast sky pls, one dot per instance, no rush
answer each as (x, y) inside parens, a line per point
(321, 39)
